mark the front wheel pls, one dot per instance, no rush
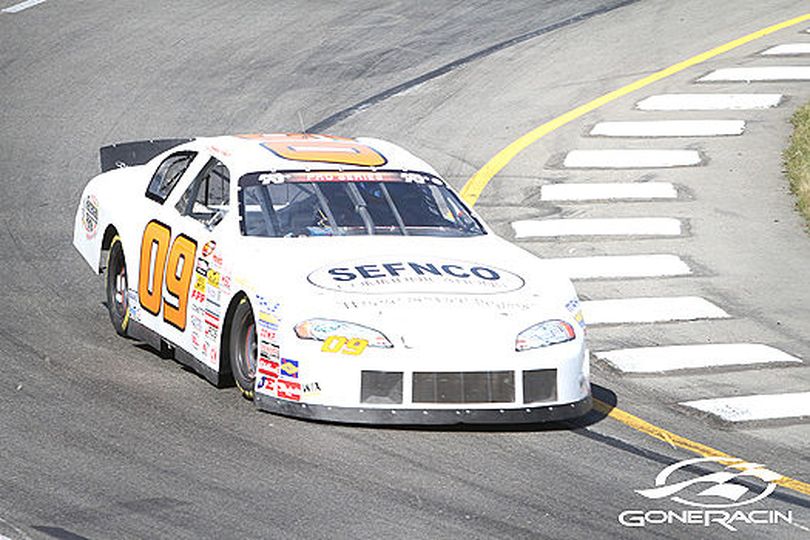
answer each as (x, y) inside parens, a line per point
(117, 287)
(242, 348)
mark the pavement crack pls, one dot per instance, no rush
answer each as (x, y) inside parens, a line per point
(341, 115)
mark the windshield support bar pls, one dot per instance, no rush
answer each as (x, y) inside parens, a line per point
(325, 206)
(360, 207)
(394, 209)
(268, 212)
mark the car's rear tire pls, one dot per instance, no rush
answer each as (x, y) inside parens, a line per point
(117, 301)
(243, 348)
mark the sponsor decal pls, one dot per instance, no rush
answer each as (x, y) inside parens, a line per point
(267, 313)
(718, 498)
(199, 284)
(267, 374)
(442, 300)
(385, 276)
(209, 248)
(348, 176)
(202, 267)
(197, 296)
(196, 322)
(289, 390)
(266, 383)
(311, 389)
(225, 283)
(267, 335)
(90, 216)
(211, 330)
(289, 368)
(267, 325)
(195, 340)
(267, 305)
(574, 307)
(132, 304)
(213, 356)
(213, 278)
(213, 296)
(267, 350)
(212, 303)
(212, 317)
(216, 260)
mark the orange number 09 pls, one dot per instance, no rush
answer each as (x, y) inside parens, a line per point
(176, 264)
(326, 148)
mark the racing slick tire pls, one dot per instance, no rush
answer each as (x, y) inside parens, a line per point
(117, 287)
(243, 348)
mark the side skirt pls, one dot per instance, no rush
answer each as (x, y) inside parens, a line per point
(141, 333)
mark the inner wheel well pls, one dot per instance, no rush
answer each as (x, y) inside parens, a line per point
(109, 233)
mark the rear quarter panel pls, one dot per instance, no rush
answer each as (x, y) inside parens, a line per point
(111, 198)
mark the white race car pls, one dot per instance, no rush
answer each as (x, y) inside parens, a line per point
(332, 279)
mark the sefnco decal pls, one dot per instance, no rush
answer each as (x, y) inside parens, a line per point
(415, 275)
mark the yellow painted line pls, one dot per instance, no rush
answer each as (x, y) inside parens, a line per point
(682, 442)
(478, 181)
(475, 185)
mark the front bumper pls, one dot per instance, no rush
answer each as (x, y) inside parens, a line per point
(425, 416)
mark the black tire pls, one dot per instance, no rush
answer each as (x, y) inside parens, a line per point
(243, 348)
(117, 301)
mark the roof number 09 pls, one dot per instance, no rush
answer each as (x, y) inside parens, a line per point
(323, 148)
(176, 264)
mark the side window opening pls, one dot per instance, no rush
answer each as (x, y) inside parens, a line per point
(207, 198)
(167, 175)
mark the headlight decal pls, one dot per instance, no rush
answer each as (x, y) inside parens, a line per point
(544, 334)
(349, 338)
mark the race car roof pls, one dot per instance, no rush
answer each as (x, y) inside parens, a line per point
(306, 151)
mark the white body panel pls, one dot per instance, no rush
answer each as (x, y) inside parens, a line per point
(465, 319)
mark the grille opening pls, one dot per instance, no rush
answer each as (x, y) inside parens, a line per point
(381, 387)
(539, 385)
(464, 387)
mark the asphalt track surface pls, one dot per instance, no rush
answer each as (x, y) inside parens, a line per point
(102, 438)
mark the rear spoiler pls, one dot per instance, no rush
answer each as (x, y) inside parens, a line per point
(133, 153)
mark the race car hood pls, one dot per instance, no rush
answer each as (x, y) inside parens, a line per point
(400, 279)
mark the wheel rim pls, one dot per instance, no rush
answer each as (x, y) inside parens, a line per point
(246, 349)
(250, 349)
(121, 290)
(118, 286)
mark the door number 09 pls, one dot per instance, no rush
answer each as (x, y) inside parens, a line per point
(176, 264)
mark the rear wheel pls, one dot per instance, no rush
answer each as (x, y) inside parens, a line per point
(117, 287)
(243, 348)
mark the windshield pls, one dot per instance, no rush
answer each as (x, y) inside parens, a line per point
(351, 203)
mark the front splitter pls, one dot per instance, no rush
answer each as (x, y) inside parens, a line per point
(416, 417)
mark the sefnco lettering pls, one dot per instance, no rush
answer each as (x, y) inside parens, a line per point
(397, 269)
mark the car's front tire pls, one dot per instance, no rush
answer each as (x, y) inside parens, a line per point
(117, 287)
(243, 348)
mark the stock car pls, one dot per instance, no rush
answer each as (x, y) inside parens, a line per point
(332, 279)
